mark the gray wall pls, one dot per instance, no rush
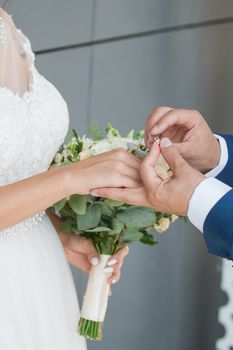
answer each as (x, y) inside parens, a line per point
(114, 61)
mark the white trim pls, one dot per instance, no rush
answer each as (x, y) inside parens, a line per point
(223, 159)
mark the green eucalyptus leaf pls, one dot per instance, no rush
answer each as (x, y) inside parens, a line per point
(52, 209)
(113, 203)
(148, 239)
(106, 210)
(140, 135)
(117, 226)
(132, 147)
(99, 229)
(59, 205)
(130, 135)
(95, 132)
(131, 235)
(67, 212)
(78, 203)
(90, 219)
(140, 153)
(139, 217)
(105, 246)
(67, 225)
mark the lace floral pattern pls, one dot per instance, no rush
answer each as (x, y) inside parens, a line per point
(33, 125)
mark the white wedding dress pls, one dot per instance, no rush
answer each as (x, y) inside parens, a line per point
(38, 303)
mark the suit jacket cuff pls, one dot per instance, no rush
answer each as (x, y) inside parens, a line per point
(226, 175)
(204, 198)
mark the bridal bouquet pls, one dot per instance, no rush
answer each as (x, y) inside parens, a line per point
(109, 224)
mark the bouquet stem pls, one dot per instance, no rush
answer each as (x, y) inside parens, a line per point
(95, 301)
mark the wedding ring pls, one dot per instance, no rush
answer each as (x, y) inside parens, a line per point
(157, 139)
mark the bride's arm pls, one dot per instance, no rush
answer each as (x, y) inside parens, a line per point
(24, 198)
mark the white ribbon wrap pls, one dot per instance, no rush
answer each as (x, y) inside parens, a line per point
(96, 297)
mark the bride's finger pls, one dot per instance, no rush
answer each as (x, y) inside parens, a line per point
(115, 277)
(116, 261)
(124, 156)
(125, 169)
(78, 260)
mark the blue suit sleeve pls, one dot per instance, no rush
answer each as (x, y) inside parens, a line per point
(226, 175)
(218, 227)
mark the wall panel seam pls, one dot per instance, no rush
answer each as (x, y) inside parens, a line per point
(171, 29)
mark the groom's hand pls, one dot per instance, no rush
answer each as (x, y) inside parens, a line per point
(173, 194)
(190, 134)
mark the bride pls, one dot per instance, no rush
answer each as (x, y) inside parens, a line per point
(38, 303)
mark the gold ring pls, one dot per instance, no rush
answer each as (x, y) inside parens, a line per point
(157, 140)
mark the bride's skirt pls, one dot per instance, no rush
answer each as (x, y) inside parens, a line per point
(38, 303)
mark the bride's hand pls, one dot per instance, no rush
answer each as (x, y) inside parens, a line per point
(81, 253)
(117, 168)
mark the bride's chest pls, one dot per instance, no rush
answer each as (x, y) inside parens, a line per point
(32, 127)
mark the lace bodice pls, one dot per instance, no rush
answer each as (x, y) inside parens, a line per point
(32, 125)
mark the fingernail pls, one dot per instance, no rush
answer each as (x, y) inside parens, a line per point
(108, 270)
(94, 261)
(94, 194)
(112, 262)
(165, 142)
(113, 281)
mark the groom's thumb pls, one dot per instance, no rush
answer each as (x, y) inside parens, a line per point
(172, 156)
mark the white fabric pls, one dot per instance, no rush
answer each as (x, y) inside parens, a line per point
(38, 302)
(205, 196)
(223, 158)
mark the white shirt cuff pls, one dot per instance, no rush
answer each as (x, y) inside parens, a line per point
(205, 196)
(223, 159)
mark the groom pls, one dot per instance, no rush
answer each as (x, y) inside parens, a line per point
(202, 181)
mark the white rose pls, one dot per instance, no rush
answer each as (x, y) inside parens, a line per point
(85, 154)
(66, 153)
(174, 217)
(58, 158)
(118, 142)
(74, 140)
(101, 147)
(123, 142)
(87, 143)
(163, 225)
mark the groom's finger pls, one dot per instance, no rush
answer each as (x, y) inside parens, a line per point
(147, 170)
(135, 196)
(172, 156)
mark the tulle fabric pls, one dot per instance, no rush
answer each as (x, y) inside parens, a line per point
(38, 303)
